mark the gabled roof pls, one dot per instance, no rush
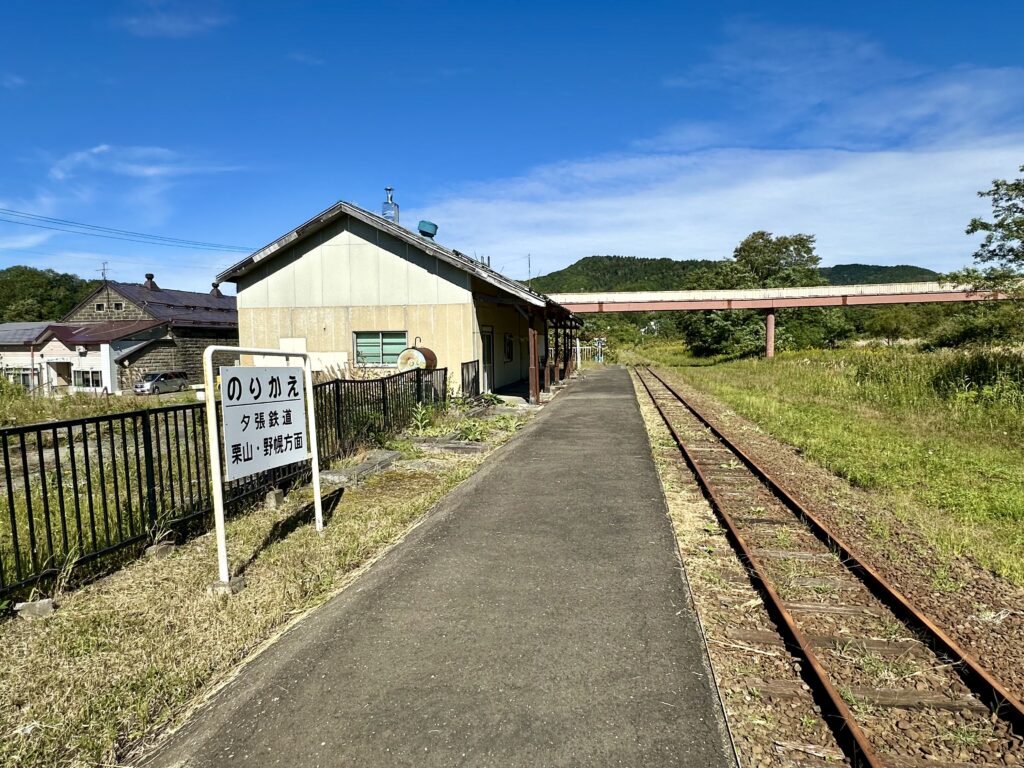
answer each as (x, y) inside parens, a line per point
(74, 334)
(450, 256)
(179, 308)
(20, 334)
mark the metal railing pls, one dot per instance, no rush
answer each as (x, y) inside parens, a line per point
(90, 490)
(471, 379)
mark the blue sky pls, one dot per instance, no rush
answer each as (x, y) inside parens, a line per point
(557, 130)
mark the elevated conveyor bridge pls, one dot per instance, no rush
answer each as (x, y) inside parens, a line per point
(770, 299)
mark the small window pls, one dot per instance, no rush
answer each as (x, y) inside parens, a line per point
(88, 379)
(100, 306)
(379, 347)
(509, 348)
(118, 306)
(21, 376)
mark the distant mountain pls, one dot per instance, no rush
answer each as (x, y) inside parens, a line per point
(865, 274)
(631, 273)
(617, 273)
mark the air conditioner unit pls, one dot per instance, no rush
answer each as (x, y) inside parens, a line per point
(81, 350)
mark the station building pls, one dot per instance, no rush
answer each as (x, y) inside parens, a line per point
(353, 289)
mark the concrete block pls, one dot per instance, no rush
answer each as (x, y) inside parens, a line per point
(35, 609)
(233, 587)
(376, 461)
(454, 446)
(160, 550)
(275, 498)
(512, 400)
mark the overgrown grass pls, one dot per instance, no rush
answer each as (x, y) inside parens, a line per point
(18, 407)
(128, 653)
(940, 433)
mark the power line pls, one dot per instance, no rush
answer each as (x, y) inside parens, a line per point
(128, 232)
(231, 249)
(110, 233)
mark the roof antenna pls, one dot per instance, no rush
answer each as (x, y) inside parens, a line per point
(103, 271)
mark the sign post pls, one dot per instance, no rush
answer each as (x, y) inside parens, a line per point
(264, 412)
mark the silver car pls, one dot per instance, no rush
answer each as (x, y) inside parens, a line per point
(159, 382)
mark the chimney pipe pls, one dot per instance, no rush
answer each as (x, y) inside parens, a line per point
(150, 284)
(389, 208)
(216, 291)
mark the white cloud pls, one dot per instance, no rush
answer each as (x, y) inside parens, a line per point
(874, 207)
(818, 132)
(134, 162)
(172, 19)
(306, 58)
(12, 82)
(29, 240)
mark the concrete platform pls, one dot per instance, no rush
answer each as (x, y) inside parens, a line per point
(537, 618)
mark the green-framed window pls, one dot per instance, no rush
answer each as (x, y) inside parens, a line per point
(379, 347)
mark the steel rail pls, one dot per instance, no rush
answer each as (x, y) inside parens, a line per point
(841, 720)
(977, 678)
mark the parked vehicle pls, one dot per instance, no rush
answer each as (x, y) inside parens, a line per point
(159, 382)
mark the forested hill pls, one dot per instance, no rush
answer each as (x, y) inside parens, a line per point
(865, 274)
(617, 273)
(629, 273)
(28, 294)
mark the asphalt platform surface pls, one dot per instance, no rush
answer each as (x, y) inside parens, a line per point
(538, 617)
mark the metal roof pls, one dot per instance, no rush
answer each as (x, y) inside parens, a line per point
(72, 334)
(181, 307)
(448, 255)
(19, 334)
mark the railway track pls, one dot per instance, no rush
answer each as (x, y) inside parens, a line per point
(887, 679)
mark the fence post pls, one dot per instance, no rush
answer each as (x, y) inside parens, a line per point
(384, 404)
(150, 472)
(337, 412)
(534, 379)
(419, 386)
(444, 386)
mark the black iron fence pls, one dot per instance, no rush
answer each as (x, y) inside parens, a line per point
(471, 379)
(96, 489)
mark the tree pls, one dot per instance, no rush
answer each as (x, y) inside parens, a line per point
(24, 311)
(1004, 236)
(1002, 249)
(835, 327)
(892, 323)
(28, 294)
(760, 261)
(777, 262)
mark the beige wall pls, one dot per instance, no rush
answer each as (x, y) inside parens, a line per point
(447, 329)
(351, 264)
(351, 277)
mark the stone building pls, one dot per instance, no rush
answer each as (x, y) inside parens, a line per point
(120, 332)
(146, 328)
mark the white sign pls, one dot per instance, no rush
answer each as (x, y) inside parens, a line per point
(264, 412)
